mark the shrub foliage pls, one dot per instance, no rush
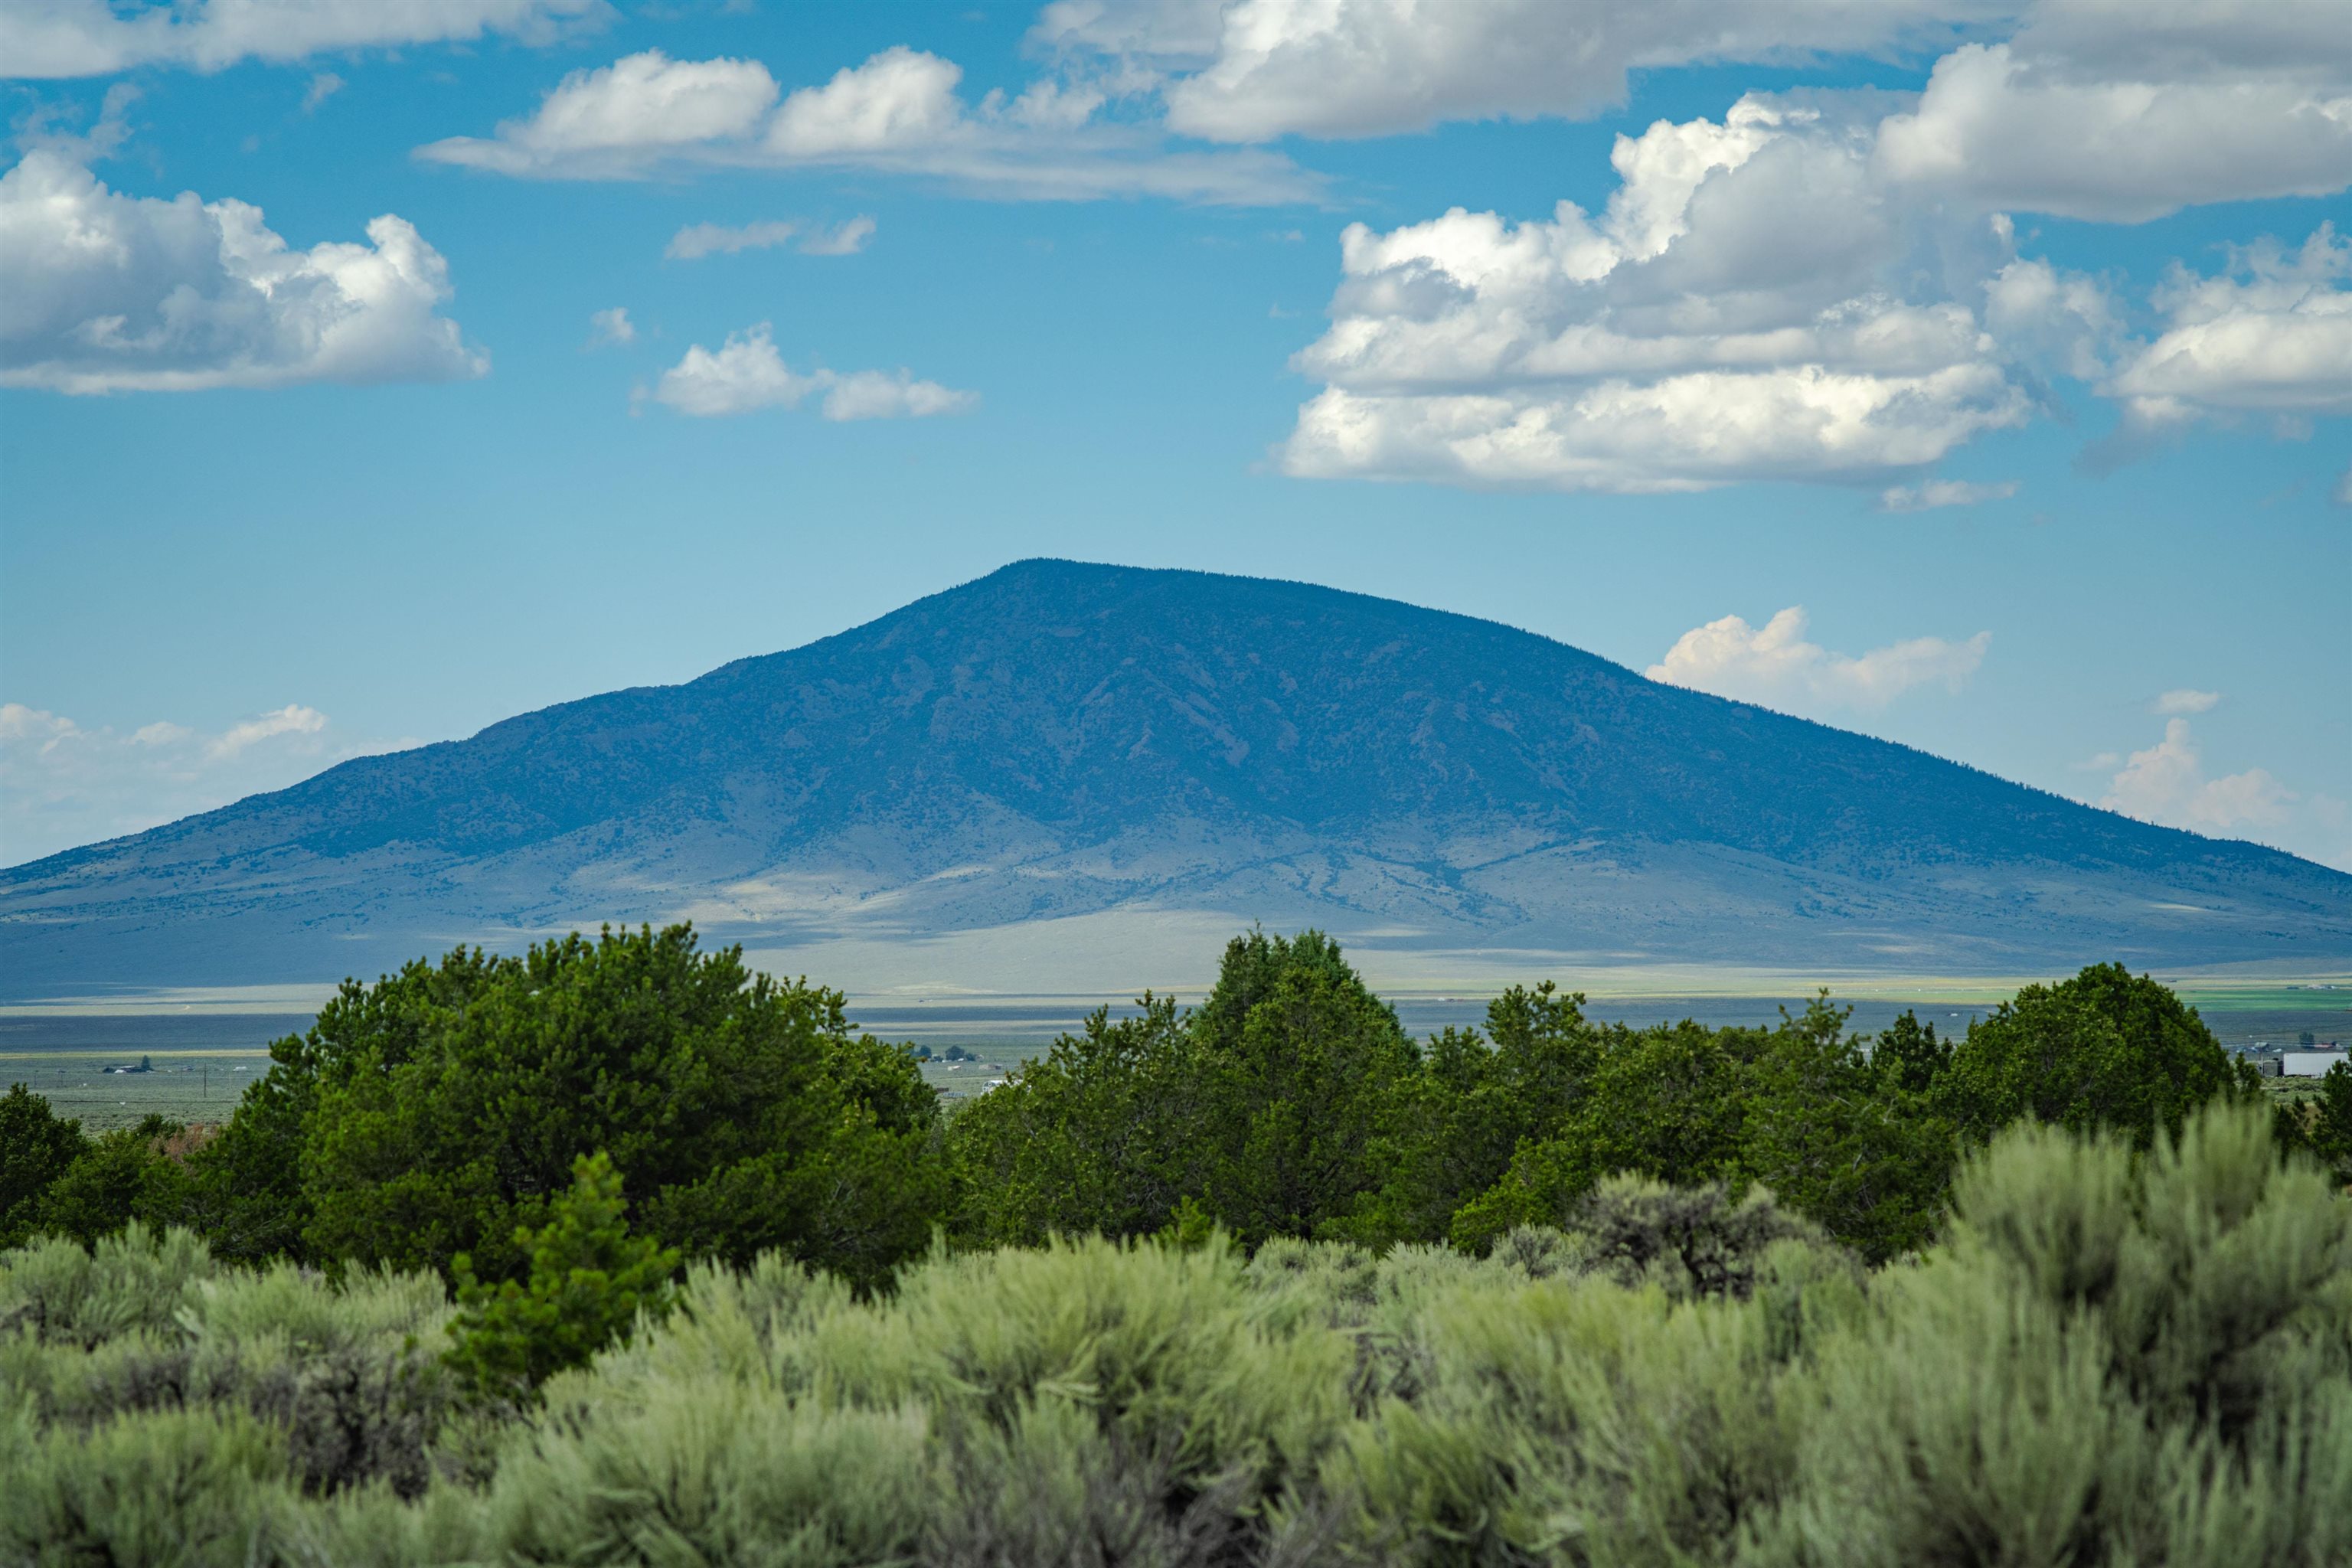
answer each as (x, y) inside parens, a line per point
(589, 1281)
(441, 1109)
(2111, 1355)
(1267, 1281)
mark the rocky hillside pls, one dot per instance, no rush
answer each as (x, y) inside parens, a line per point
(1059, 740)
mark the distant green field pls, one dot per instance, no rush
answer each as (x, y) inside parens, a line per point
(192, 1086)
(2243, 998)
(202, 1065)
(993, 1060)
(203, 1086)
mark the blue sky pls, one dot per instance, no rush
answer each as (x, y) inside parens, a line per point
(1175, 284)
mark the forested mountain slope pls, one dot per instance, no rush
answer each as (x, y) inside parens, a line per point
(1059, 739)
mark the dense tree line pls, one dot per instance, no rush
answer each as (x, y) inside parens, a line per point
(617, 1253)
(1292, 1103)
(440, 1113)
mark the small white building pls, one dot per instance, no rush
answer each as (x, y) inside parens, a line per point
(2314, 1064)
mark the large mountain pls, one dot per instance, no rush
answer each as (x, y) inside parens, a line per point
(1064, 740)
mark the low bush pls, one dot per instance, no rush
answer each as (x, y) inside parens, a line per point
(2112, 1355)
(589, 1279)
(2113, 1359)
(347, 1381)
(1266, 1282)
(438, 1112)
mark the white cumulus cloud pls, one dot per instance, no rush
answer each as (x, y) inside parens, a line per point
(2110, 109)
(21, 724)
(1774, 665)
(901, 98)
(2186, 700)
(1733, 314)
(611, 327)
(2166, 784)
(1259, 70)
(291, 720)
(899, 112)
(696, 241)
(889, 394)
(746, 372)
(2101, 124)
(1827, 285)
(845, 238)
(105, 292)
(2271, 334)
(2066, 320)
(1936, 494)
(621, 119)
(63, 784)
(93, 37)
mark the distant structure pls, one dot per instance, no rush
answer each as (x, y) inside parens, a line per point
(2314, 1064)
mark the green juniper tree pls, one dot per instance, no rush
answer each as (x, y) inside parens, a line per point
(1300, 1073)
(37, 1147)
(441, 1110)
(1841, 1137)
(1475, 1101)
(589, 1279)
(2321, 1124)
(1664, 1102)
(2104, 1050)
(252, 1172)
(1087, 1138)
(122, 1175)
(1908, 1056)
(1276, 1107)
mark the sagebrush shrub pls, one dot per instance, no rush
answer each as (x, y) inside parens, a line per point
(1694, 1241)
(2113, 1359)
(346, 1378)
(2112, 1356)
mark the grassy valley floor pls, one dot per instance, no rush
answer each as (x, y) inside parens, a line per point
(205, 1050)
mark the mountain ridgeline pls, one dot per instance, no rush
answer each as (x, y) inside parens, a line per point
(1061, 740)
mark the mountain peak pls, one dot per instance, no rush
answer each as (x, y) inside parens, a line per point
(1067, 739)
